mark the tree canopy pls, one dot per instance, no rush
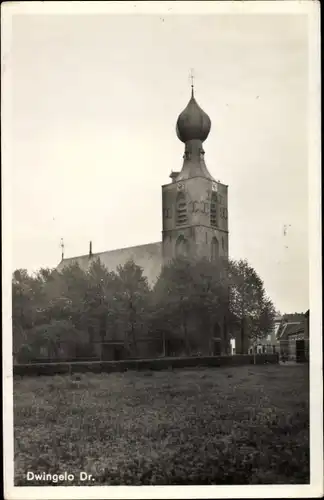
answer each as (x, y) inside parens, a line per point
(69, 313)
(252, 312)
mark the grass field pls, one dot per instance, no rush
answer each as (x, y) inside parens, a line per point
(239, 425)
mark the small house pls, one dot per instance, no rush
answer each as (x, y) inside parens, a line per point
(293, 338)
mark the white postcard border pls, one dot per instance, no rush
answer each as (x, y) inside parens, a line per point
(312, 10)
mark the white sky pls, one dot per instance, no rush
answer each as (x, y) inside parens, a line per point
(95, 99)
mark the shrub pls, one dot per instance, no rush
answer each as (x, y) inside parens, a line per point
(141, 364)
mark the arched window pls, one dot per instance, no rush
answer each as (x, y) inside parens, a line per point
(213, 210)
(182, 247)
(181, 209)
(223, 243)
(214, 249)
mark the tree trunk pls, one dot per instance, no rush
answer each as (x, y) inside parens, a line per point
(91, 339)
(133, 335)
(211, 340)
(185, 331)
(242, 335)
(102, 333)
(164, 346)
(133, 330)
(225, 337)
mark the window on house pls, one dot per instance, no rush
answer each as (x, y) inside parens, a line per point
(44, 352)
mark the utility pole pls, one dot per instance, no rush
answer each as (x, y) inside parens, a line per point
(62, 247)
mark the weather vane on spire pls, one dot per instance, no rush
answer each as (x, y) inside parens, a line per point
(192, 77)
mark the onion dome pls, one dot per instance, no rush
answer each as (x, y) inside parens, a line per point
(193, 123)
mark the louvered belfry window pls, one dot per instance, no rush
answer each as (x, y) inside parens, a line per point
(182, 217)
(213, 210)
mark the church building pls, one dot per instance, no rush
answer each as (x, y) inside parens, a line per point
(195, 212)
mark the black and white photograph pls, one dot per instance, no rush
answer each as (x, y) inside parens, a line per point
(161, 250)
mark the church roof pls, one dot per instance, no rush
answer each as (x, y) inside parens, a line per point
(148, 256)
(192, 169)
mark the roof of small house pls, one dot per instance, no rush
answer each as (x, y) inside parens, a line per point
(297, 331)
(293, 317)
(287, 329)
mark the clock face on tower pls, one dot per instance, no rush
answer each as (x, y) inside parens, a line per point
(199, 206)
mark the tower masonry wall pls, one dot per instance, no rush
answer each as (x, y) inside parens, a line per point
(197, 231)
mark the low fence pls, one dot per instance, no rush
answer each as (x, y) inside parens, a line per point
(141, 364)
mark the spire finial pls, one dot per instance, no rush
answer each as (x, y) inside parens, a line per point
(192, 76)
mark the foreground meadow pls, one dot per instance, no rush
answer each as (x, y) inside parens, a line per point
(238, 425)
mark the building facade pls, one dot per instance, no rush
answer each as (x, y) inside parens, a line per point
(194, 218)
(194, 208)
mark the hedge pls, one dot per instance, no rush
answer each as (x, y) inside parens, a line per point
(141, 364)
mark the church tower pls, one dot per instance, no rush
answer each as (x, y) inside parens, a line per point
(195, 215)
